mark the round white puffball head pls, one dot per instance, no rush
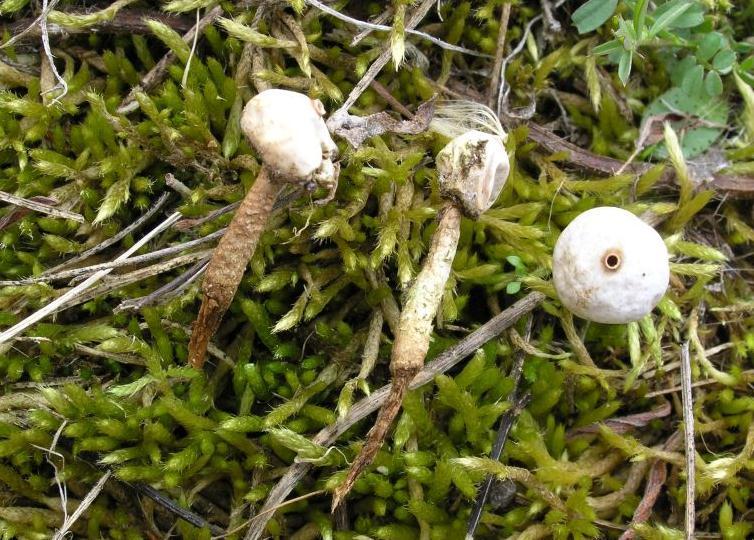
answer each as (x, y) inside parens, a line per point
(609, 266)
(288, 131)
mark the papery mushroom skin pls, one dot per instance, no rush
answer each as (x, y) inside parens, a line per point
(287, 131)
(610, 267)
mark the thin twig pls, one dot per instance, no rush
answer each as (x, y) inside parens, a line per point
(186, 70)
(697, 384)
(266, 512)
(118, 357)
(126, 21)
(114, 239)
(445, 361)
(81, 287)
(381, 27)
(167, 292)
(506, 422)
(190, 223)
(552, 24)
(121, 281)
(499, 55)
(732, 185)
(655, 482)
(85, 503)
(379, 63)
(379, 19)
(502, 92)
(171, 506)
(688, 431)
(159, 254)
(132, 261)
(176, 185)
(41, 207)
(46, 8)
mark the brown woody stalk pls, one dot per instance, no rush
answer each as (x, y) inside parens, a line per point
(287, 130)
(226, 268)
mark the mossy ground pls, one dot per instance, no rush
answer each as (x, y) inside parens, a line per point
(95, 388)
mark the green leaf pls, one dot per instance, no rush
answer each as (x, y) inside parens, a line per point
(709, 45)
(694, 140)
(723, 61)
(624, 66)
(713, 84)
(640, 17)
(60, 244)
(627, 32)
(11, 6)
(667, 18)
(689, 18)
(607, 48)
(746, 65)
(249, 35)
(513, 287)
(129, 389)
(694, 16)
(516, 262)
(593, 14)
(693, 81)
(680, 69)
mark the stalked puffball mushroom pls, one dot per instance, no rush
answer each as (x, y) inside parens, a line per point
(472, 170)
(287, 130)
(610, 267)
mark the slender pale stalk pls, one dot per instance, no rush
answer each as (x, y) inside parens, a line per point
(413, 336)
(229, 260)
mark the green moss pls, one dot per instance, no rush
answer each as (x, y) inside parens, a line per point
(115, 387)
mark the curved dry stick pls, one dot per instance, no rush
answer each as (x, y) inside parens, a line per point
(361, 409)
(229, 260)
(412, 339)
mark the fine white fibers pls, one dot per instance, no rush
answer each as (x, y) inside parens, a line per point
(610, 267)
(288, 131)
(455, 117)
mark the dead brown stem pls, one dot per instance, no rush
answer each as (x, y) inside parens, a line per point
(734, 185)
(126, 21)
(688, 430)
(657, 476)
(412, 339)
(624, 424)
(497, 66)
(42, 207)
(612, 500)
(376, 436)
(229, 260)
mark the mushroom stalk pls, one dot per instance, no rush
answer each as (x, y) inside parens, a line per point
(229, 260)
(413, 336)
(287, 130)
(472, 169)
